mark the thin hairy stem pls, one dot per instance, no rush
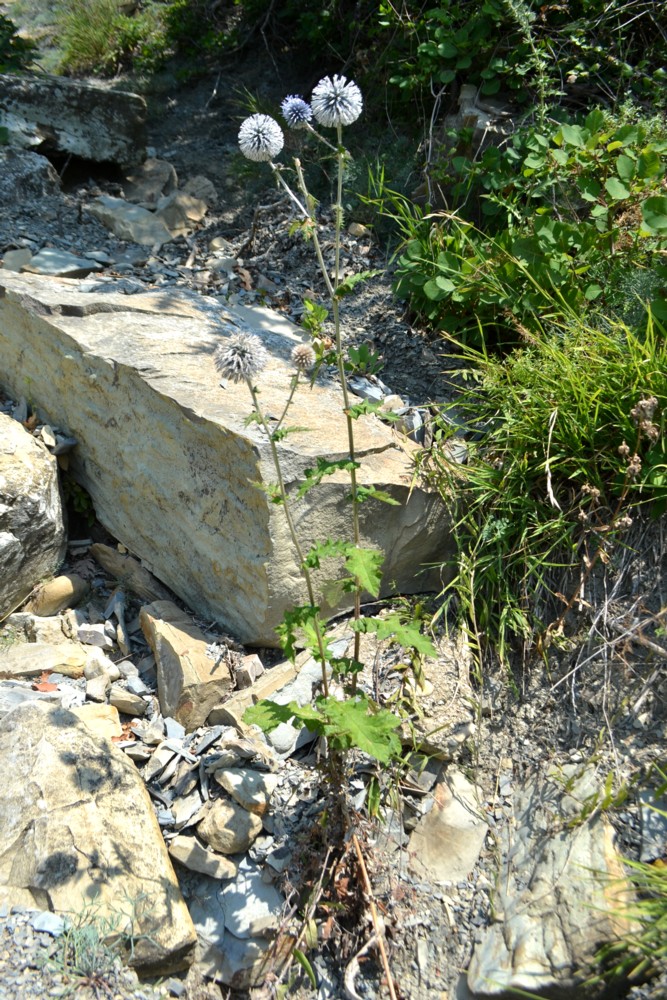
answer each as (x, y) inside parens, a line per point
(292, 528)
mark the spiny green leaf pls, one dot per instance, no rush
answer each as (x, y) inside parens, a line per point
(324, 550)
(365, 565)
(299, 624)
(372, 493)
(359, 723)
(406, 634)
(282, 432)
(347, 285)
(324, 468)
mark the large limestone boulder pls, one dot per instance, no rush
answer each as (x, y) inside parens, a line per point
(32, 533)
(172, 468)
(55, 115)
(24, 176)
(79, 836)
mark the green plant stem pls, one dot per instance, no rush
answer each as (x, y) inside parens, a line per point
(291, 526)
(283, 183)
(332, 292)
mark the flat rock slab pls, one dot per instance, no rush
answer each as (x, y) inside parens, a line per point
(560, 896)
(32, 531)
(55, 115)
(171, 467)
(446, 843)
(78, 830)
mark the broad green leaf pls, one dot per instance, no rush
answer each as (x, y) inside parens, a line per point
(625, 167)
(433, 291)
(267, 715)
(593, 292)
(358, 723)
(365, 565)
(574, 135)
(616, 189)
(649, 163)
(654, 213)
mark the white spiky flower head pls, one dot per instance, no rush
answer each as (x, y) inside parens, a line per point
(336, 101)
(241, 358)
(260, 138)
(296, 112)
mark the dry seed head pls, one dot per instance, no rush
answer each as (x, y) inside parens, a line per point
(644, 410)
(303, 357)
(634, 466)
(241, 357)
(624, 450)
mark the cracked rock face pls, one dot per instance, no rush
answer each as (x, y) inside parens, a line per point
(86, 835)
(32, 533)
(172, 468)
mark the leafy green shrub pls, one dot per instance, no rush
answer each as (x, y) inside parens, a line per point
(559, 456)
(533, 52)
(97, 37)
(16, 53)
(568, 214)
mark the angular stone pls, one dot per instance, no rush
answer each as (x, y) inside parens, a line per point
(218, 541)
(130, 222)
(32, 533)
(251, 789)
(14, 260)
(34, 658)
(15, 693)
(230, 712)
(189, 852)
(560, 894)
(87, 835)
(60, 263)
(94, 635)
(202, 188)
(229, 828)
(446, 843)
(51, 630)
(149, 182)
(97, 688)
(251, 906)
(129, 571)
(189, 682)
(181, 212)
(102, 720)
(57, 115)
(25, 176)
(126, 702)
(56, 595)
(249, 670)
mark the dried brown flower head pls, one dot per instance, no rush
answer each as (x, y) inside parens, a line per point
(303, 357)
(241, 357)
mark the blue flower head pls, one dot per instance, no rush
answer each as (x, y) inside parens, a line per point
(296, 112)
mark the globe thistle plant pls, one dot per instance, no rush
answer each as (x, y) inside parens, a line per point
(336, 101)
(261, 138)
(297, 113)
(241, 358)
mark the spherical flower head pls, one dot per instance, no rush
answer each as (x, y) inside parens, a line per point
(260, 138)
(296, 112)
(241, 358)
(303, 357)
(337, 101)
